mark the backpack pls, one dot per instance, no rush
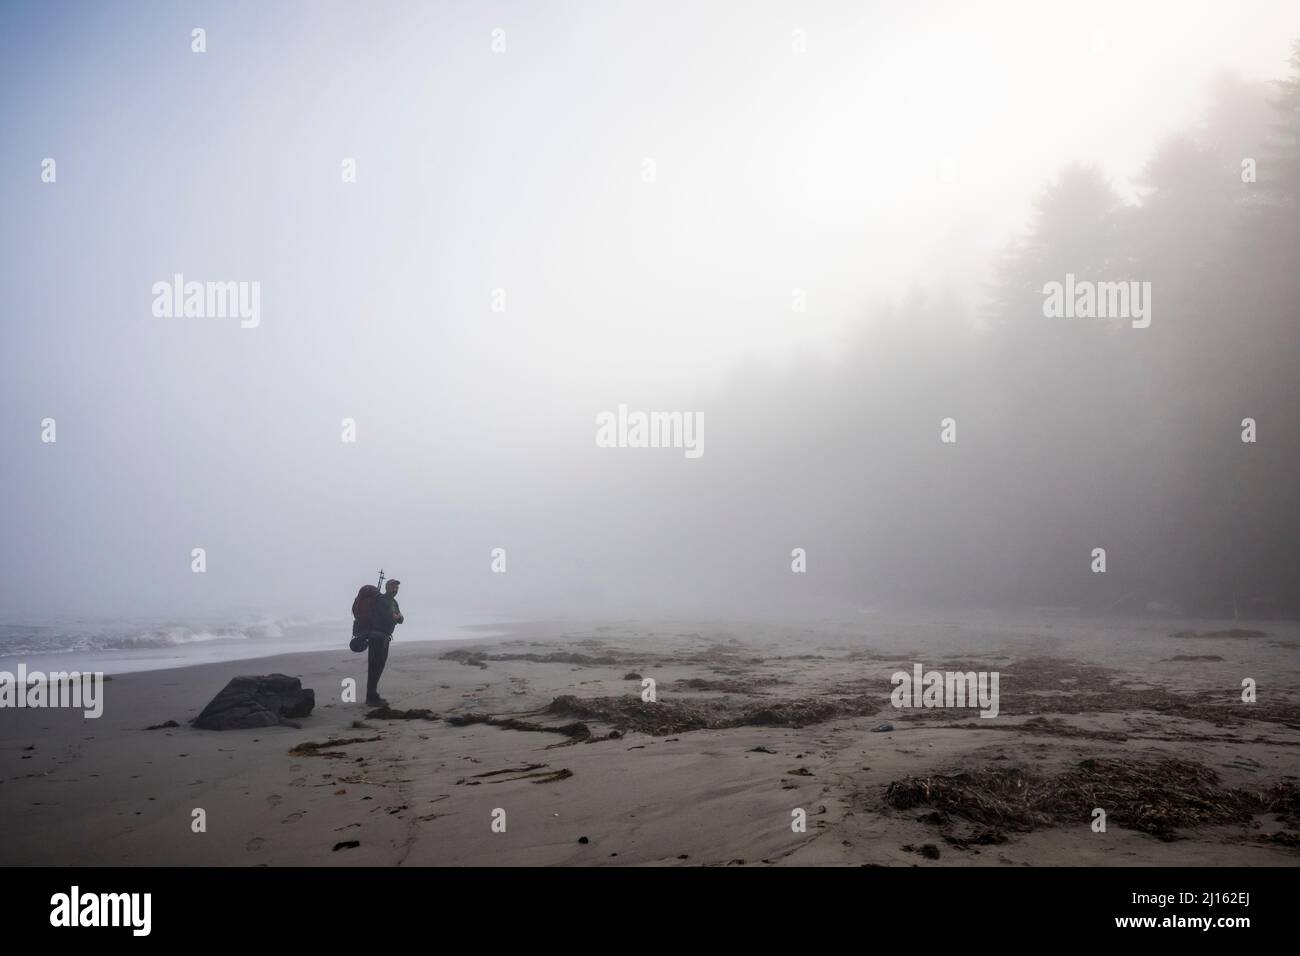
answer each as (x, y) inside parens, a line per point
(362, 606)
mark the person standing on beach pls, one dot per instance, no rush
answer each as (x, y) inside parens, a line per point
(385, 616)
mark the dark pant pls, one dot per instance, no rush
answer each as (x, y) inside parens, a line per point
(378, 658)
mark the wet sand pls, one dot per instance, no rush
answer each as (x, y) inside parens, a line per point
(751, 725)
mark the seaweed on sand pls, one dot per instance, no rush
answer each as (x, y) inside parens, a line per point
(1158, 797)
(576, 730)
(314, 748)
(388, 713)
(686, 714)
(480, 658)
(537, 772)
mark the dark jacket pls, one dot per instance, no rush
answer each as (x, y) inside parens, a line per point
(383, 617)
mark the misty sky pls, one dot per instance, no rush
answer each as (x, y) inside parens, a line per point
(902, 148)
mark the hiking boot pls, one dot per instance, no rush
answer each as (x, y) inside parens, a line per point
(376, 702)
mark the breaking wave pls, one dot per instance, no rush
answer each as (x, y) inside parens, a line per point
(17, 639)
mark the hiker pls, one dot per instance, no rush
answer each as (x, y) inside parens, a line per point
(385, 616)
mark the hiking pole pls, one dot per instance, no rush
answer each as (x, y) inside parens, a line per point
(381, 579)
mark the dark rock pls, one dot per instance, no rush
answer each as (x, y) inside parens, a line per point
(346, 845)
(163, 726)
(256, 701)
(583, 840)
(883, 728)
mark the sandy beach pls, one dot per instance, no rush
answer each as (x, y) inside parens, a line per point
(750, 726)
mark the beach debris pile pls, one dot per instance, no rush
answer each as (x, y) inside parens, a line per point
(1158, 797)
(475, 658)
(313, 748)
(575, 730)
(1038, 686)
(536, 772)
(389, 713)
(681, 715)
(729, 685)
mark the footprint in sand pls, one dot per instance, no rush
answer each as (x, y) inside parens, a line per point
(274, 800)
(298, 782)
(294, 817)
(253, 845)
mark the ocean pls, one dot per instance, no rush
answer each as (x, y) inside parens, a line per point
(123, 646)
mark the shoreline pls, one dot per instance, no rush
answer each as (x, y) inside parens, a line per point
(749, 726)
(119, 661)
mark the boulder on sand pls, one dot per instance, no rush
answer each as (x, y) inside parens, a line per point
(256, 701)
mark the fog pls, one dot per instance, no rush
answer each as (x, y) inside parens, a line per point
(824, 228)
